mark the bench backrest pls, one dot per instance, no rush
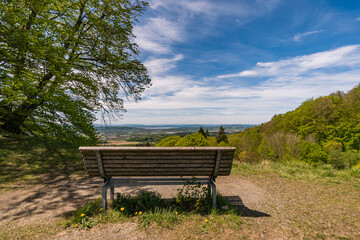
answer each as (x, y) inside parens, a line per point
(157, 161)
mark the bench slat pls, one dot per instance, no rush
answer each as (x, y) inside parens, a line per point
(157, 169)
(157, 153)
(110, 165)
(120, 157)
(212, 162)
(139, 174)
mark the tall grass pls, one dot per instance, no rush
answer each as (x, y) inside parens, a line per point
(299, 170)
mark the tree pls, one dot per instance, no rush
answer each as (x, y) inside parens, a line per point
(63, 60)
(168, 141)
(192, 140)
(202, 132)
(221, 136)
(207, 134)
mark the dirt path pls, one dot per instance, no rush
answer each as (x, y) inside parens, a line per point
(272, 207)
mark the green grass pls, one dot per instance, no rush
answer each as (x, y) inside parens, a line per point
(24, 159)
(299, 170)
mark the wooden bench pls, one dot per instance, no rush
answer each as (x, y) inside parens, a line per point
(202, 164)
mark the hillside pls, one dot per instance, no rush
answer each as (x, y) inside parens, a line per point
(321, 130)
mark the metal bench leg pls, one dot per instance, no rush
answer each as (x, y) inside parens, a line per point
(213, 193)
(104, 196)
(112, 192)
(209, 188)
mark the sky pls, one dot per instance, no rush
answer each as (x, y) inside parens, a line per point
(242, 61)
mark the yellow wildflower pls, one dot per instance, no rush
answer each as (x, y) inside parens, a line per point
(140, 213)
(101, 209)
(122, 209)
(176, 213)
(82, 214)
(135, 213)
(76, 225)
(206, 220)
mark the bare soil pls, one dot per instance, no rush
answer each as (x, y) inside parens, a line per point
(271, 208)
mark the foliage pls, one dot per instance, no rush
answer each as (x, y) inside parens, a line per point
(192, 197)
(221, 136)
(168, 141)
(320, 131)
(201, 131)
(206, 133)
(192, 140)
(249, 157)
(145, 201)
(61, 61)
(82, 217)
(211, 141)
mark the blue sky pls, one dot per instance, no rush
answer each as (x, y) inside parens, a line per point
(239, 62)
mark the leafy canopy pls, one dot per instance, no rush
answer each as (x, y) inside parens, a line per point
(63, 60)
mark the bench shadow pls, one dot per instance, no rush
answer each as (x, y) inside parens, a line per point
(242, 210)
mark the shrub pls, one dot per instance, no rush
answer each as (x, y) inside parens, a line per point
(350, 158)
(145, 201)
(341, 160)
(168, 142)
(336, 160)
(192, 197)
(333, 146)
(312, 153)
(211, 141)
(248, 157)
(192, 140)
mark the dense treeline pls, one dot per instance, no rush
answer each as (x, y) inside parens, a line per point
(322, 130)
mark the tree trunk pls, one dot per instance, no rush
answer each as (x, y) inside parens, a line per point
(15, 120)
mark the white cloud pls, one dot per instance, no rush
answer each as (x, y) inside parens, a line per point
(288, 82)
(347, 56)
(246, 73)
(157, 35)
(162, 65)
(299, 36)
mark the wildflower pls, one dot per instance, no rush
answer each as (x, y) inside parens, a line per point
(176, 213)
(135, 213)
(140, 213)
(122, 209)
(76, 225)
(101, 209)
(206, 220)
(82, 215)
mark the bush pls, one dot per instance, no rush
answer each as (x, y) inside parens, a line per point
(211, 141)
(248, 157)
(313, 153)
(336, 160)
(192, 140)
(145, 201)
(168, 142)
(341, 160)
(350, 158)
(333, 146)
